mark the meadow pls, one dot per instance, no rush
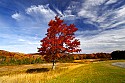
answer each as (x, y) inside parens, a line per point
(77, 72)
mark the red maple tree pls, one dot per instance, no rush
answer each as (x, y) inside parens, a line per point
(60, 38)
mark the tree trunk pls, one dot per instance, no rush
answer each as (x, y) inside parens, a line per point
(53, 66)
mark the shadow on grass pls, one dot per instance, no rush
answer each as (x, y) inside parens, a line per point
(37, 70)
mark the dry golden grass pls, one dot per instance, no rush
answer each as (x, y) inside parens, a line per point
(22, 77)
(86, 60)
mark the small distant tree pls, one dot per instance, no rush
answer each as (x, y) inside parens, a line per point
(60, 38)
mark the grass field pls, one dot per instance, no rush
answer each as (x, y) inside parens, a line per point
(90, 72)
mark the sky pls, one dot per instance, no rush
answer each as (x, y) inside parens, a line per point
(100, 23)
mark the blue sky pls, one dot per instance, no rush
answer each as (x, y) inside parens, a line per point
(101, 23)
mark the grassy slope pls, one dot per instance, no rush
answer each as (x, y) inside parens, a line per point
(100, 72)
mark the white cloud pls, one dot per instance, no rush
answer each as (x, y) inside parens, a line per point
(70, 17)
(111, 2)
(22, 40)
(88, 32)
(90, 3)
(58, 11)
(117, 24)
(68, 12)
(17, 16)
(121, 11)
(87, 14)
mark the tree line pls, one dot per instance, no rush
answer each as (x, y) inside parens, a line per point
(118, 54)
(12, 58)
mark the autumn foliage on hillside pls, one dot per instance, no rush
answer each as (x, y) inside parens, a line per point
(9, 58)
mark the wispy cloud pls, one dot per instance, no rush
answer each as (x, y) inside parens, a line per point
(97, 14)
(105, 41)
(111, 2)
(41, 12)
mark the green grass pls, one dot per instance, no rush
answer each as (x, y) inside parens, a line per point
(101, 72)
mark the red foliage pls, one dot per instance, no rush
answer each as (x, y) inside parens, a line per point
(60, 39)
